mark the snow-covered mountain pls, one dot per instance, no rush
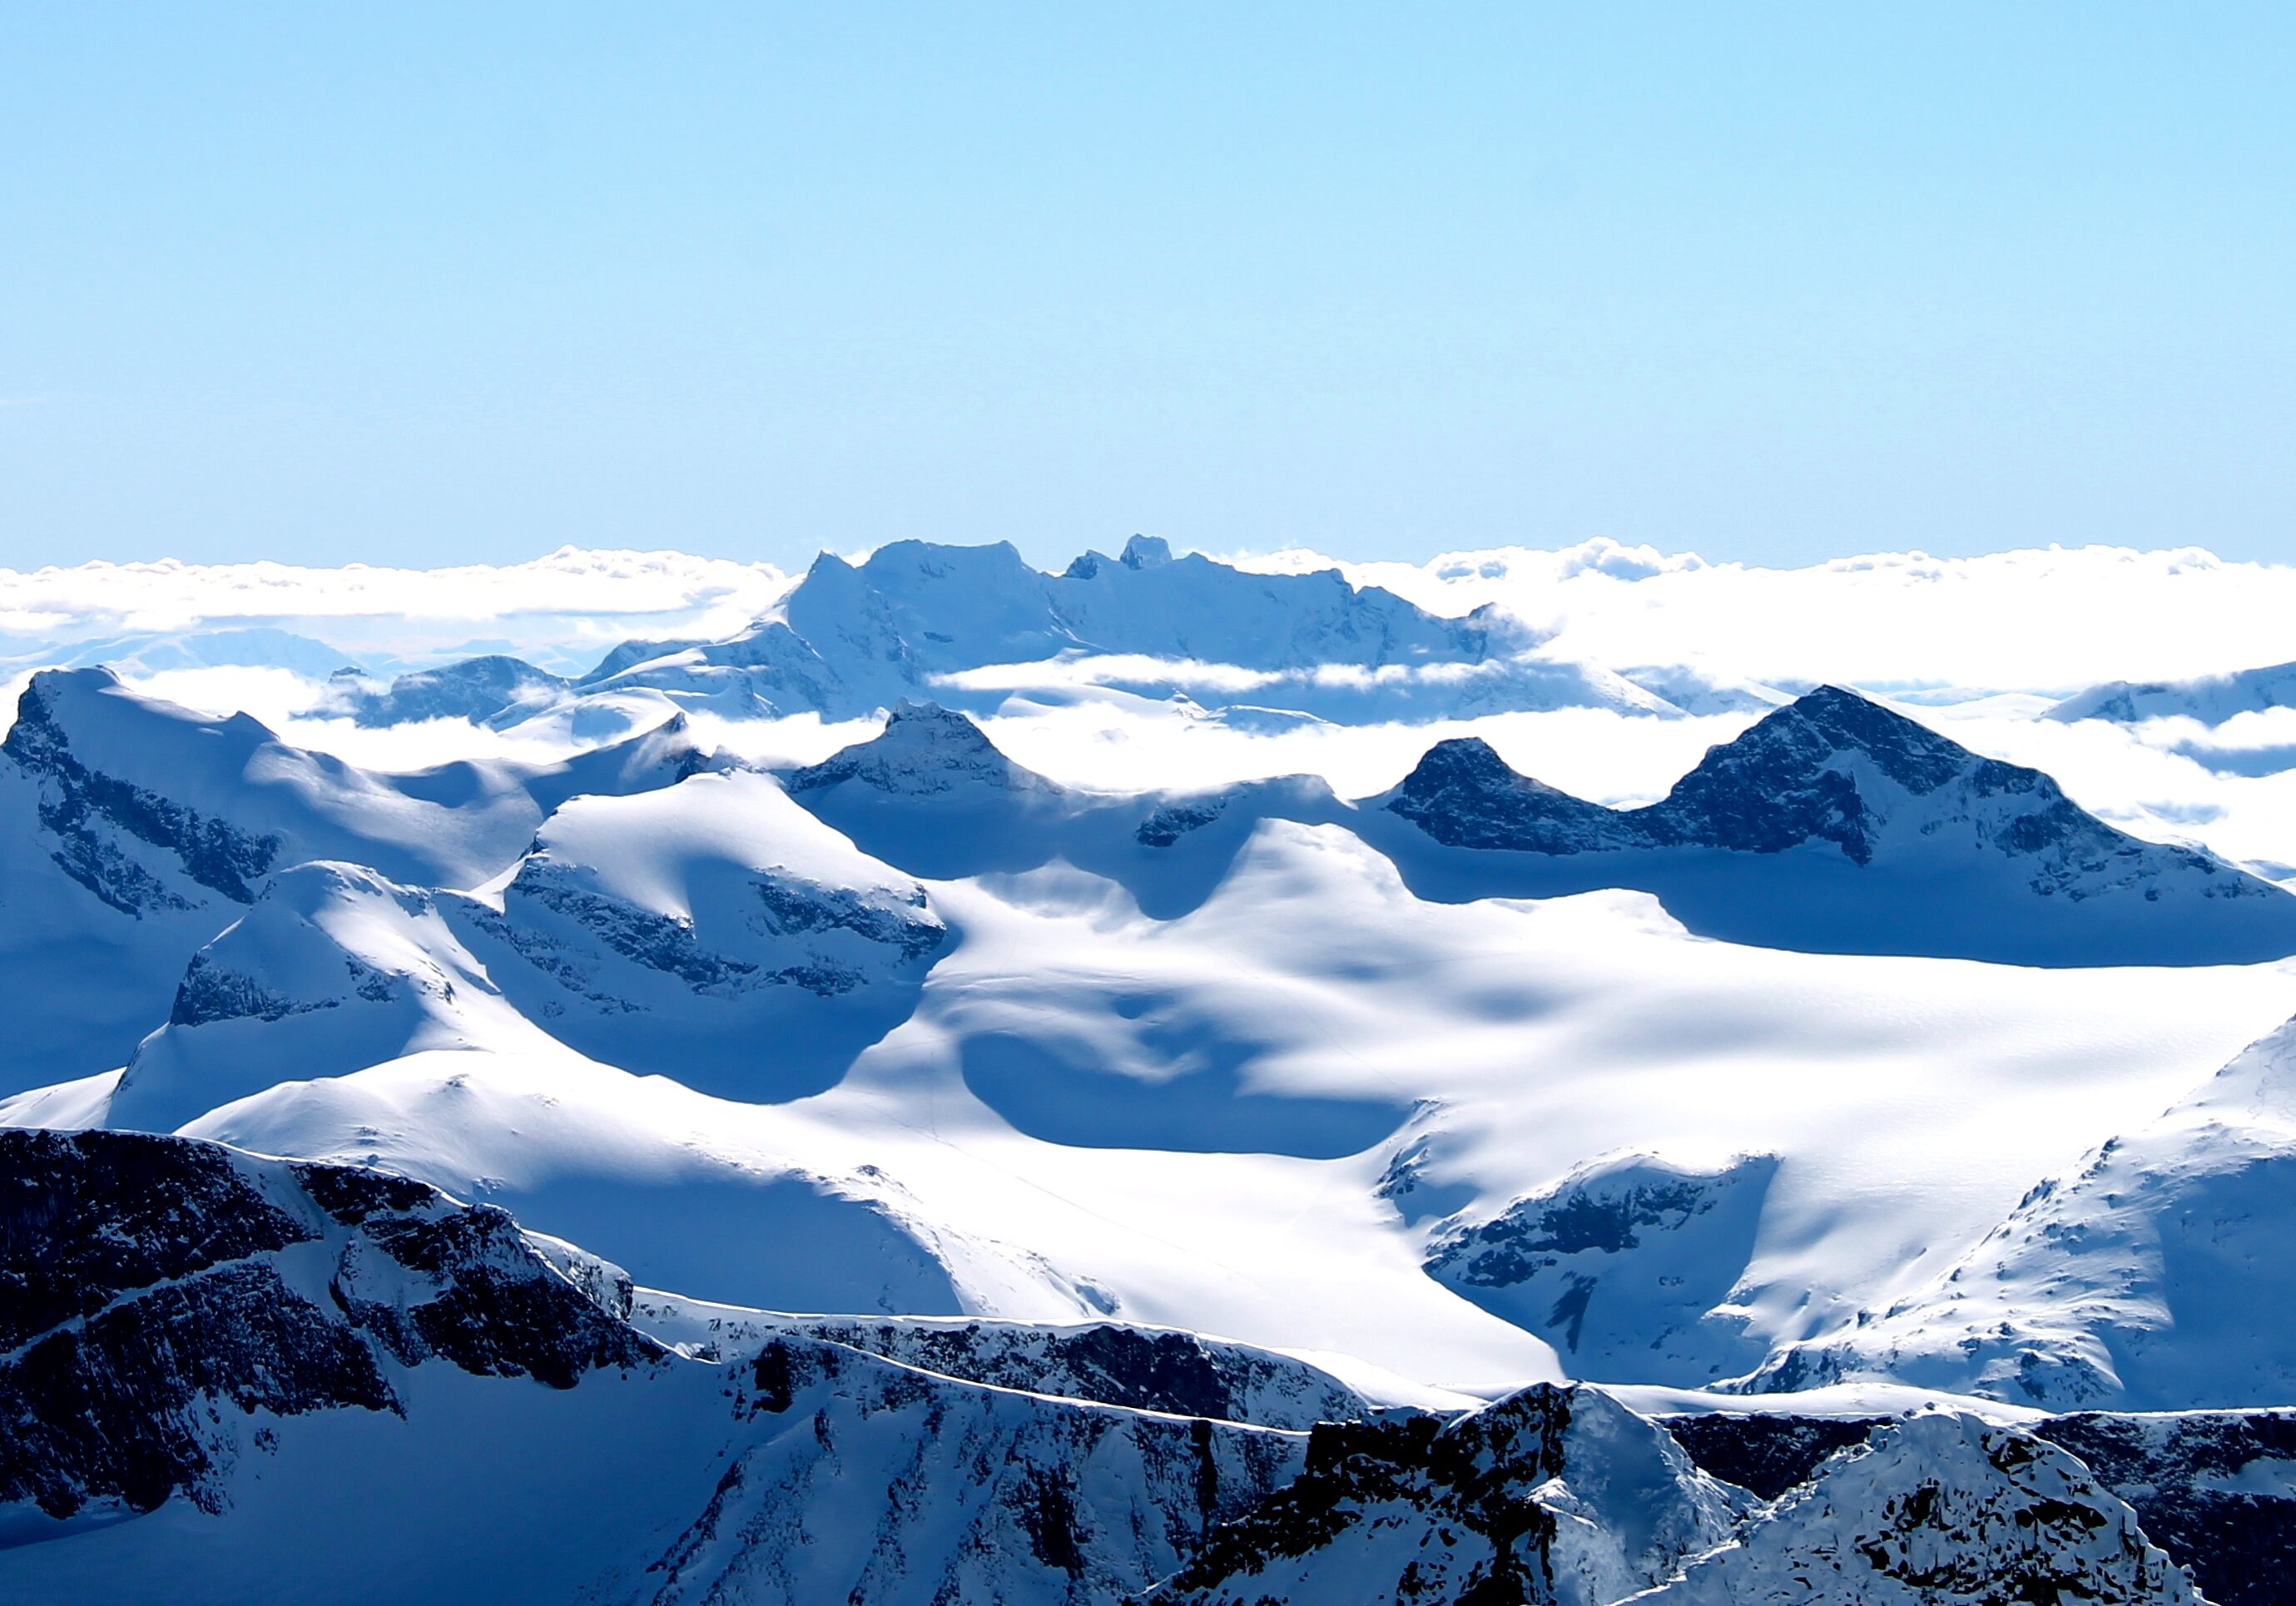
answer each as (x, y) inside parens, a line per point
(1834, 822)
(476, 688)
(2134, 1281)
(2210, 699)
(1212, 1183)
(971, 624)
(138, 830)
(252, 646)
(1939, 1507)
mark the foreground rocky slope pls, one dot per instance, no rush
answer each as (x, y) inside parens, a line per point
(193, 1336)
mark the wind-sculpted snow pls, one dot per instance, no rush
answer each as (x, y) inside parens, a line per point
(1548, 1496)
(2137, 1282)
(1939, 1508)
(679, 930)
(138, 830)
(1628, 1265)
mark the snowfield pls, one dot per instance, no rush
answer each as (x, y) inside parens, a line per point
(1382, 993)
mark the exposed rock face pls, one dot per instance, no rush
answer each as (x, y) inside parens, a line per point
(1550, 1495)
(1626, 1267)
(1939, 1508)
(1112, 1363)
(144, 1281)
(897, 922)
(1786, 781)
(1765, 1452)
(1464, 795)
(171, 1310)
(971, 1493)
(1830, 768)
(85, 812)
(2215, 1489)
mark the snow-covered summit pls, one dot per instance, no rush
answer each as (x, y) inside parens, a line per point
(918, 619)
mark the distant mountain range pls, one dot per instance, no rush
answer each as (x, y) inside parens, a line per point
(972, 626)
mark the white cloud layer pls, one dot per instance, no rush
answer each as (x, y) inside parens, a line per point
(571, 604)
(2049, 619)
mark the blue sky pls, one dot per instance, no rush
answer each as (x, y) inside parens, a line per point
(424, 285)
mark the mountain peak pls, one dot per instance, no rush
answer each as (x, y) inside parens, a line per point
(1146, 551)
(924, 749)
(1807, 771)
(1464, 795)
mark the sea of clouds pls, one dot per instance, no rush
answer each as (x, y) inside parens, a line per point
(1977, 646)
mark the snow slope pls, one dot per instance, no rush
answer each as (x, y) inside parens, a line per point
(138, 830)
(2142, 1279)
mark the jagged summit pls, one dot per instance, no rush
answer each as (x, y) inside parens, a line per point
(914, 618)
(924, 749)
(1830, 768)
(1941, 1507)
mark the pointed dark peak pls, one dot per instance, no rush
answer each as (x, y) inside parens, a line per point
(1830, 720)
(925, 748)
(1464, 795)
(1085, 566)
(1794, 776)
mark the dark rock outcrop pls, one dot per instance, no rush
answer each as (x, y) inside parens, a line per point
(145, 1281)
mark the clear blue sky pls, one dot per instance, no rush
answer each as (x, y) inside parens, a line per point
(423, 283)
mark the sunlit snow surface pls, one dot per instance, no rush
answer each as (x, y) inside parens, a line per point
(762, 1052)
